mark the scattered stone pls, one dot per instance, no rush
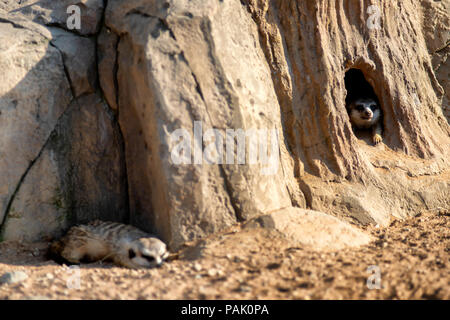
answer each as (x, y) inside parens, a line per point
(212, 272)
(197, 267)
(244, 288)
(13, 277)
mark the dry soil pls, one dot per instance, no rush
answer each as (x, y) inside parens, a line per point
(412, 257)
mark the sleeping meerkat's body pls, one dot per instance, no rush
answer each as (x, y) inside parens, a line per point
(125, 245)
(365, 113)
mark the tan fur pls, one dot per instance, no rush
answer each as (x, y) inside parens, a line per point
(125, 245)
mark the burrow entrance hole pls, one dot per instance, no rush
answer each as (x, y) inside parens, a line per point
(358, 87)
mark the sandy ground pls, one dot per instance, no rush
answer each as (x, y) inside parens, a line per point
(412, 257)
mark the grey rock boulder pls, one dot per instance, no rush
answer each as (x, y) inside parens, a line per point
(34, 93)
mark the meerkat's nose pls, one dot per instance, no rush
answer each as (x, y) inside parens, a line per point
(368, 113)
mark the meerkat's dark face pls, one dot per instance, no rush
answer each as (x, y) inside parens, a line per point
(147, 253)
(364, 113)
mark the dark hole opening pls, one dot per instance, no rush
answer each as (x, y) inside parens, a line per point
(357, 86)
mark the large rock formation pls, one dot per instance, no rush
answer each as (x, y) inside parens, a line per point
(62, 157)
(310, 47)
(126, 131)
(436, 28)
(194, 64)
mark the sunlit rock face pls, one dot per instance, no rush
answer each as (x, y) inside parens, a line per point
(130, 116)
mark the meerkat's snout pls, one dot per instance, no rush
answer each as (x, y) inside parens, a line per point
(368, 114)
(364, 113)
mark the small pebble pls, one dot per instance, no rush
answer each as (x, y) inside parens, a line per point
(244, 288)
(197, 267)
(13, 277)
(214, 272)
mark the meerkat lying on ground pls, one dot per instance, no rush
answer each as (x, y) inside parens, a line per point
(365, 113)
(123, 244)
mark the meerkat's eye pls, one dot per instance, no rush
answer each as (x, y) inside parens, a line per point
(131, 254)
(149, 258)
(373, 107)
(359, 107)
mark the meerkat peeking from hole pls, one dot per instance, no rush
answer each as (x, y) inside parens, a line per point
(123, 244)
(365, 113)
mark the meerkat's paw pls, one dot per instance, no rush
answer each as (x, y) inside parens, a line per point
(377, 138)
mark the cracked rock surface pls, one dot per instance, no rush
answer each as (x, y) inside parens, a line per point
(87, 116)
(62, 159)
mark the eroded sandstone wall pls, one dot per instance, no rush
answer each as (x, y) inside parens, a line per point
(88, 115)
(187, 62)
(310, 45)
